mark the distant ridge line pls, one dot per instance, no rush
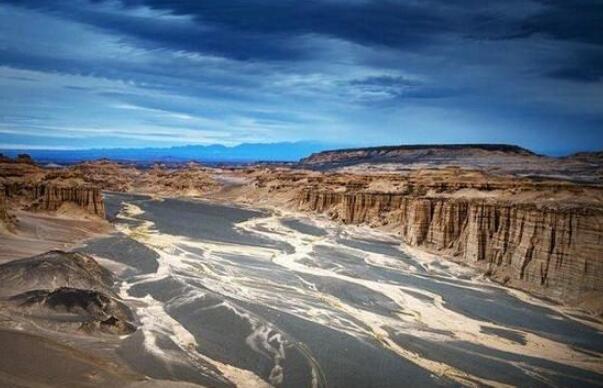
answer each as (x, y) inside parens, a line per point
(481, 146)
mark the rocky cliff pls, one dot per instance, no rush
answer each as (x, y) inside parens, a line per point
(50, 197)
(24, 185)
(555, 252)
(5, 219)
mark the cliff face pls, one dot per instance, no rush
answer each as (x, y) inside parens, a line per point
(50, 197)
(4, 216)
(552, 252)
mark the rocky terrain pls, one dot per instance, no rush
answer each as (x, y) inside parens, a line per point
(191, 179)
(494, 158)
(61, 319)
(539, 233)
(25, 185)
(63, 291)
(5, 218)
(525, 220)
(62, 323)
(28, 186)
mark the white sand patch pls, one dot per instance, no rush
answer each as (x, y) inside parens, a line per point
(155, 319)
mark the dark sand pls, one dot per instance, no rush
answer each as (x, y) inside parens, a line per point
(299, 314)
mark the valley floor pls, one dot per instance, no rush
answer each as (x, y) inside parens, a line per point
(226, 295)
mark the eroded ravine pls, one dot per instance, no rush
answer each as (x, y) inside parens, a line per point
(252, 298)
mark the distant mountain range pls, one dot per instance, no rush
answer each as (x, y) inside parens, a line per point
(307, 152)
(246, 152)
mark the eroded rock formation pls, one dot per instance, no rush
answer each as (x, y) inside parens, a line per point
(494, 158)
(538, 234)
(5, 218)
(64, 291)
(50, 197)
(27, 186)
(551, 251)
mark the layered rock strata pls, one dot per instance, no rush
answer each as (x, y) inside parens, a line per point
(555, 252)
(5, 218)
(24, 185)
(50, 197)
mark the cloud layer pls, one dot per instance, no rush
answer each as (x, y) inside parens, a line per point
(82, 74)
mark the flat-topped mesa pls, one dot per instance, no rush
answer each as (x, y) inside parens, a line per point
(555, 252)
(413, 153)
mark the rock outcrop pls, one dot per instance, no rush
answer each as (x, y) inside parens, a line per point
(52, 270)
(89, 311)
(7, 220)
(189, 179)
(414, 153)
(4, 216)
(496, 159)
(27, 186)
(64, 291)
(50, 197)
(556, 252)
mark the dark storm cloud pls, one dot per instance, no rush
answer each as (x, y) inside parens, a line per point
(572, 20)
(260, 29)
(274, 30)
(582, 65)
(391, 24)
(577, 22)
(299, 70)
(252, 30)
(395, 24)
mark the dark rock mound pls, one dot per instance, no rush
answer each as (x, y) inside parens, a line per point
(90, 311)
(64, 291)
(52, 270)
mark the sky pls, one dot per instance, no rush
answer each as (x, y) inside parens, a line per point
(137, 73)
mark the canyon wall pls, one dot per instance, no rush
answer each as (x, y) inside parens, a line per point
(554, 252)
(5, 219)
(50, 197)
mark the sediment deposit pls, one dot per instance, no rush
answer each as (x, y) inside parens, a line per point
(494, 158)
(551, 251)
(538, 234)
